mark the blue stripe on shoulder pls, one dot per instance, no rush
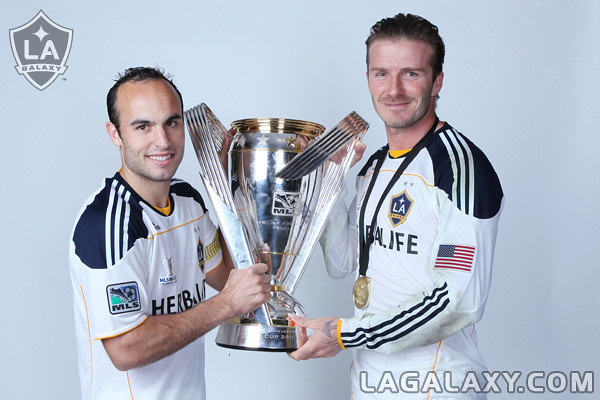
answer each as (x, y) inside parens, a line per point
(90, 236)
(183, 189)
(487, 190)
(371, 161)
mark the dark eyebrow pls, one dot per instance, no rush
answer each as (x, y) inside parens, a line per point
(148, 122)
(413, 69)
(173, 117)
(140, 122)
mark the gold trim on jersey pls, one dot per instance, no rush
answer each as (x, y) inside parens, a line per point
(415, 175)
(87, 317)
(212, 249)
(437, 353)
(166, 210)
(221, 263)
(119, 334)
(129, 384)
(175, 227)
(338, 334)
(398, 153)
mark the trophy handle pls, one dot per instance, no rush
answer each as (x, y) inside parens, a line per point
(318, 152)
(215, 182)
(332, 183)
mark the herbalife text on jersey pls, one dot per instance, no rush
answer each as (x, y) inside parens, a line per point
(486, 382)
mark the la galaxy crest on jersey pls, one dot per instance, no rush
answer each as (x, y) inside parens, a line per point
(200, 255)
(123, 297)
(400, 206)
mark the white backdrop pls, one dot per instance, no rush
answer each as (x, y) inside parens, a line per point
(521, 80)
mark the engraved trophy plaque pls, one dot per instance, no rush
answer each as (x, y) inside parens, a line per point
(273, 208)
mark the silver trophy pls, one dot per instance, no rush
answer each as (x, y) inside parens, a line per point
(273, 208)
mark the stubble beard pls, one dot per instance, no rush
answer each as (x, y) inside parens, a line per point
(402, 123)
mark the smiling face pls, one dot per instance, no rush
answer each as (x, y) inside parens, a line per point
(401, 83)
(151, 135)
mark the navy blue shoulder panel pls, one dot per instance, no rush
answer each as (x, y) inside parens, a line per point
(183, 189)
(463, 171)
(117, 210)
(371, 161)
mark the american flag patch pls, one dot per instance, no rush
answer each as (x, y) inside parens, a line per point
(451, 256)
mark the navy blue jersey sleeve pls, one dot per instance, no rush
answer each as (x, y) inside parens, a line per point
(108, 226)
(371, 161)
(183, 189)
(466, 175)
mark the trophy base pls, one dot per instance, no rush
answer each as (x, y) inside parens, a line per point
(245, 334)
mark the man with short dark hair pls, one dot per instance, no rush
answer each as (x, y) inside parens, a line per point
(143, 248)
(421, 229)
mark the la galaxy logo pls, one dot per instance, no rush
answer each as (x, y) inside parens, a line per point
(400, 206)
(41, 48)
(200, 255)
(123, 297)
(171, 277)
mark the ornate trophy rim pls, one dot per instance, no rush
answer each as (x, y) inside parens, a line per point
(278, 125)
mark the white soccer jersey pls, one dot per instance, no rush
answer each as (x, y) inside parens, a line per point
(430, 267)
(129, 261)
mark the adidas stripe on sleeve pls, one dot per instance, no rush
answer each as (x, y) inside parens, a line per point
(454, 193)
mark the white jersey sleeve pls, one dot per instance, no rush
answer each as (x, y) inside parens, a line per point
(339, 239)
(467, 201)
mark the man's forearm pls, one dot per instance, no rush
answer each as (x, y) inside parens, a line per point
(162, 335)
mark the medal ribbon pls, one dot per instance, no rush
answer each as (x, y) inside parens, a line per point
(365, 244)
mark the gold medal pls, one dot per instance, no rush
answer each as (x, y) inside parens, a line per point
(361, 294)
